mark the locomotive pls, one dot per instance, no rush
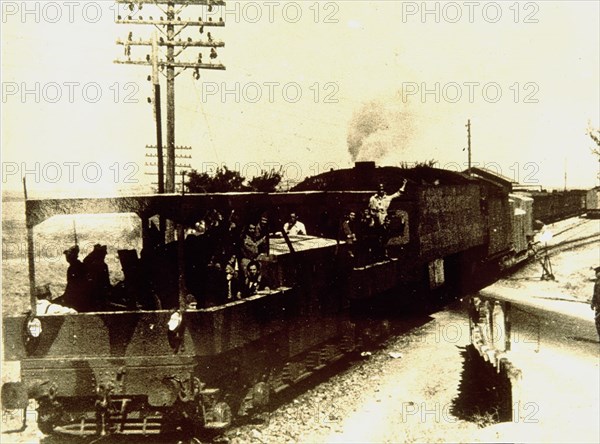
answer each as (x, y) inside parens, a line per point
(188, 367)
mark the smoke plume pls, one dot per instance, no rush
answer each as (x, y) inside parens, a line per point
(377, 128)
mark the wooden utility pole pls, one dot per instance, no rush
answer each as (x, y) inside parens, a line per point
(157, 114)
(170, 101)
(170, 28)
(469, 143)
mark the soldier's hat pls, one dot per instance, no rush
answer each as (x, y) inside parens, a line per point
(99, 249)
(43, 291)
(597, 269)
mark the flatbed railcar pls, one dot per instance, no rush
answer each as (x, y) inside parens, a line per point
(181, 367)
(186, 367)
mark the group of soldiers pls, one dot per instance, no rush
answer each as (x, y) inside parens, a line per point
(222, 261)
(88, 282)
(368, 234)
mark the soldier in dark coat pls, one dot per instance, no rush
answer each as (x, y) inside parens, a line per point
(76, 295)
(98, 278)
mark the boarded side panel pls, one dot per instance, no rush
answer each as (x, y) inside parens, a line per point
(450, 220)
(499, 225)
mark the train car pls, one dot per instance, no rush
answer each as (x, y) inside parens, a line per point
(192, 361)
(460, 226)
(550, 207)
(183, 365)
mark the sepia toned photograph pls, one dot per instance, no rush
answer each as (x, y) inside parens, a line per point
(303, 221)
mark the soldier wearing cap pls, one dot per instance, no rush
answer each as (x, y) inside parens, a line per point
(596, 299)
(98, 280)
(75, 294)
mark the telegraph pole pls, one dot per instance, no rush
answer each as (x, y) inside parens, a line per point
(157, 114)
(469, 143)
(170, 101)
(170, 27)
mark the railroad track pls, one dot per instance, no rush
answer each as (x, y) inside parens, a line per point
(573, 242)
(575, 229)
(572, 238)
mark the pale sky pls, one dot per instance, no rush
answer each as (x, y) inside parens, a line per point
(534, 86)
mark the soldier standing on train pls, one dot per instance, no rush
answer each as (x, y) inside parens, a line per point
(293, 226)
(255, 281)
(380, 202)
(348, 232)
(233, 290)
(262, 228)
(75, 294)
(98, 280)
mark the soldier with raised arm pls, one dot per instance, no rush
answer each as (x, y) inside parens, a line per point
(380, 202)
